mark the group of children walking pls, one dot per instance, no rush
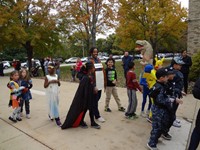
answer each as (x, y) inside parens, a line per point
(164, 86)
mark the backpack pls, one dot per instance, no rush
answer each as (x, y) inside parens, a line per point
(196, 89)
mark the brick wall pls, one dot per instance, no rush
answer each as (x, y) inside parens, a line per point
(193, 44)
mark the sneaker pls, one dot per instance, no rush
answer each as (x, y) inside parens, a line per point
(143, 114)
(108, 110)
(167, 136)
(13, 120)
(50, 117)
(28, 116)
(178, 121)
(122, 109)
(83, 125)
(95, 125)
(101, 119)
(176, 124)
(149, 120)
(152, 147)
(58, 122)
(19, 119)
(147, 112)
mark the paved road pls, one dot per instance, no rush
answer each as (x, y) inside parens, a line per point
(117, 133)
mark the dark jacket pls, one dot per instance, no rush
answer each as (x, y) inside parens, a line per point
(196, 89)
(126, 60)
(188, 63)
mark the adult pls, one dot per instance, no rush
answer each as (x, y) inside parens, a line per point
(18, 65)
(1, 68)
(195, 138)
(125, 61)
(57, 67)
(46, 62)
(185, 69)
(98, 75)
(42, 65)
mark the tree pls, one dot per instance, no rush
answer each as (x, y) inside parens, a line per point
(29, 24)
(156, 21)
(88, 17)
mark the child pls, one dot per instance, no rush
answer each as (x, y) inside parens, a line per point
(15, 93)
(161, 108)
(111, 76)
(25, 81)
(52, 84)
(132, 86)
(73, 72)
(83, 101)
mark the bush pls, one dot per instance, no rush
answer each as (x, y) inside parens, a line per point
(195, 68)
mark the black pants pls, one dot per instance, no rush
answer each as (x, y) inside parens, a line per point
(195, 138)
(27, 106)
(90, 114)
(95, 104)
(185, 81)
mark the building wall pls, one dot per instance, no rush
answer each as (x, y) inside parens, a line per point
(193, 44)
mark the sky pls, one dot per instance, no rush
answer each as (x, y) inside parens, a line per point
(184, 3)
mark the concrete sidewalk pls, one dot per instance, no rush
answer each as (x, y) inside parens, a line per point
(116, 133)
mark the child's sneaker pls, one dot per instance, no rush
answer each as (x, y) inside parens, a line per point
(95, 125)
(83, 125)
(19, 119)
(50, 117)
(101, 119)
(152, 147)
(28, 116)
(122, 109)
(143, 114)
(108, 110)
(167, 136)
(58, 122)
(176, 124)
(13, 120)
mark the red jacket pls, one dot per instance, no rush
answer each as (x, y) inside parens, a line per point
(131, 81)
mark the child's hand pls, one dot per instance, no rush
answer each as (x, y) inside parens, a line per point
(95, 90)
(179, 101)
(114, 81)
(183, 93)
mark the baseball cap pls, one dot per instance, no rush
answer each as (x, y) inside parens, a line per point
(170, 70)
(161, 72)
(177, 60)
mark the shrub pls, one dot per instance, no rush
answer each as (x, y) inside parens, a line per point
(195, 68)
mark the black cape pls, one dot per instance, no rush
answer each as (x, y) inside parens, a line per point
(81, 103)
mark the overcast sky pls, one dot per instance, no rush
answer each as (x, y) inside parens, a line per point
(184, 3)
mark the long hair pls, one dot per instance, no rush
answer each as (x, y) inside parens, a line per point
(27, 77)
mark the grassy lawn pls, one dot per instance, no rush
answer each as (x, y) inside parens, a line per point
(66, 73)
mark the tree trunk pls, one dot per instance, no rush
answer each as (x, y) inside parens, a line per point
(94, 21)
(29, 50)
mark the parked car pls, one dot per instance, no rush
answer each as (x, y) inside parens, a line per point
(137, 56)
(71, 60)
(25, 64)
(6, 64)
(84, 59)
(116, 57)
(101, 57)
(60, 59)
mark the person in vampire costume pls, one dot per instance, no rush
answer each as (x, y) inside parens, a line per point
(83, 101)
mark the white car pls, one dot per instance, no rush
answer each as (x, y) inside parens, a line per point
(25, 64)
(71, 60)
(6, 64)
(84, 59)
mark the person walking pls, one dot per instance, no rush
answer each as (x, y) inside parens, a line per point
(100, 81)
(185, 69)
(51, 84)
(125, 61)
